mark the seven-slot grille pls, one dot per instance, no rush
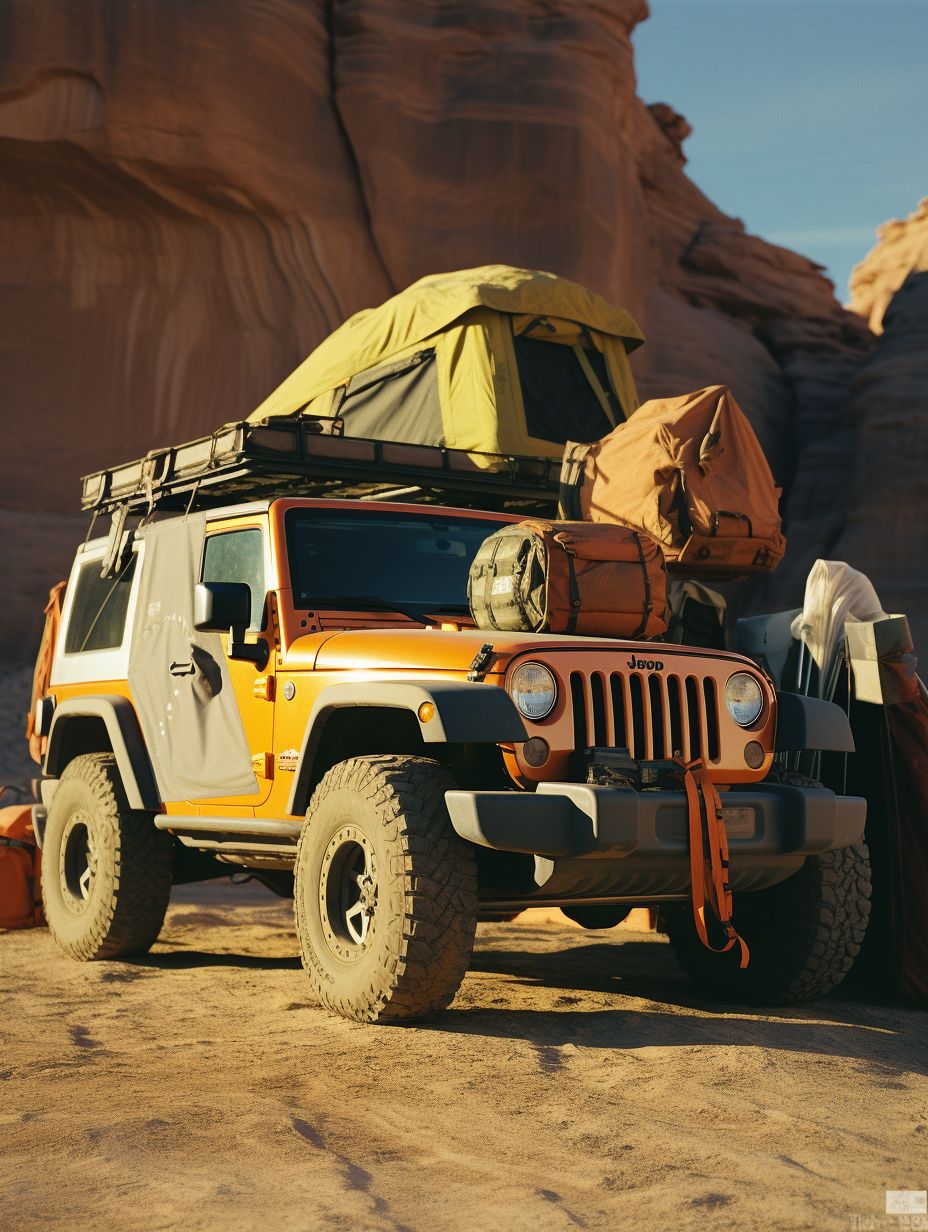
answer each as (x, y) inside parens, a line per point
(653, 715)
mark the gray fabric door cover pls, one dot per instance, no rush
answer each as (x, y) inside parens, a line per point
(179, 678)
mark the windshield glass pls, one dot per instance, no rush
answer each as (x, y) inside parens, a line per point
(407, 560)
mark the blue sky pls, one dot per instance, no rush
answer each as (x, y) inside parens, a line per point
(810, 117)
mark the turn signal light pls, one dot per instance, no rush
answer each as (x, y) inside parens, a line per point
(535, 751)
(754, 754)
(426, 712)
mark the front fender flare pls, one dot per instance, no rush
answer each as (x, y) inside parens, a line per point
(465, 713)
(811, 723)
(126, 743)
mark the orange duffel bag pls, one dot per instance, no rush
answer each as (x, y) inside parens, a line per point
(20, 870)
(569, 577)
(691, 473)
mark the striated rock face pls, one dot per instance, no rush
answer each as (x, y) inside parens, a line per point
(192, 196)
(887, 523)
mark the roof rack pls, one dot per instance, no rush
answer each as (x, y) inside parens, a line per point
(308, 456)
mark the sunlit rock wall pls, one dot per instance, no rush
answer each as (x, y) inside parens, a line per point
(193, 195)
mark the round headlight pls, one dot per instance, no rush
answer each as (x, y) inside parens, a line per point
(534, 691)
(744, 699)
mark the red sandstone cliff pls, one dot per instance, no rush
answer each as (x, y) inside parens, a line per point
(191, 196)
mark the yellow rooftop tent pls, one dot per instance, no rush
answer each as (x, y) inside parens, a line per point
(492, 360)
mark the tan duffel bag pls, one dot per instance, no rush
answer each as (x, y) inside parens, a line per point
(569, 577)
(689, 472)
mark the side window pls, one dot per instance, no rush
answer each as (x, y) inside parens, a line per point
(98, 613)
(238, 556)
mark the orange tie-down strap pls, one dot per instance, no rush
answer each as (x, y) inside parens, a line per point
(709, 871)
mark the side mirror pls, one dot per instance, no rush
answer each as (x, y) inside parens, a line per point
(225, 607)
(221, 606)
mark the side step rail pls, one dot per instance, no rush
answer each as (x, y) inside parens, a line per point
(267, 836)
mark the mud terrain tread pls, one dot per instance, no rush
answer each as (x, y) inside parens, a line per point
(844, 893)
(426, 960)
(819, 916)
(142, 859)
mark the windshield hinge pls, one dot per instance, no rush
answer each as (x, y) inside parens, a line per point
(118, 544)
(482, 660)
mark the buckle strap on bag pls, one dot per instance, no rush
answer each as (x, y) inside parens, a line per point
(648, 601)
(488, 579)
(571, 481)
(16, 842)
(573, 589)
(709, 864)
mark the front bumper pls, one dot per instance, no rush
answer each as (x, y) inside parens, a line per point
(606, 842)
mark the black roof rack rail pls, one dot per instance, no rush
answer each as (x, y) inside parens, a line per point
(308, 456)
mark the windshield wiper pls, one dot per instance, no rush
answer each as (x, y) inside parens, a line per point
(360, 603)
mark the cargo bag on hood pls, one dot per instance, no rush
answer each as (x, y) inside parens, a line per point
(20, 870)
(569, 577)
(691, 473)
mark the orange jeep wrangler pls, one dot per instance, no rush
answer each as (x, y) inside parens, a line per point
(293, 686)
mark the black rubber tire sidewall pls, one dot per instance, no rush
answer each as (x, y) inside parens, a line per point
(422, 935)
(355, 980)
(132, 884)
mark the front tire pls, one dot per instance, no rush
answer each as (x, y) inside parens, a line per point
(106, 870)
(386, 893)
(803, 934)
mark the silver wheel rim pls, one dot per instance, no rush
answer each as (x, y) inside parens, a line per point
(348, 893)
(78, 861)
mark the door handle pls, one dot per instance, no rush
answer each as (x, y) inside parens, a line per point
(182, 669)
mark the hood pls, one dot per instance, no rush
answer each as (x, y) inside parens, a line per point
(450, 650)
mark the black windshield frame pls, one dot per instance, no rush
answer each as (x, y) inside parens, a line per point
(344, 558)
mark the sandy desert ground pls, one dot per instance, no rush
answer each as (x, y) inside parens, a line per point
(574, 1083)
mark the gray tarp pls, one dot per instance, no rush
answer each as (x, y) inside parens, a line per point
(179, 678)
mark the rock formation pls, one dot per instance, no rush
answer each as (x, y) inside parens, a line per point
(192, 196)
(901, 249)
(886, 531)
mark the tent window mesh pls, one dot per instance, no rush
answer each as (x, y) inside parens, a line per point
(560, 404)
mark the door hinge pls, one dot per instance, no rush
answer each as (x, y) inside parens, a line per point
(263, 765)
(263, 688)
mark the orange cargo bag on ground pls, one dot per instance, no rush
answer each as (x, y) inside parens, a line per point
(20, 870)
(691, 473)
(569, 577)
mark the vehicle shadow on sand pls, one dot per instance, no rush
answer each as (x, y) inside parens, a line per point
(889, 1039)
(182, 960)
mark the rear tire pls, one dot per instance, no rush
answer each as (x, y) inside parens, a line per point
(803, 934)
(386, 893)
(106, 870)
